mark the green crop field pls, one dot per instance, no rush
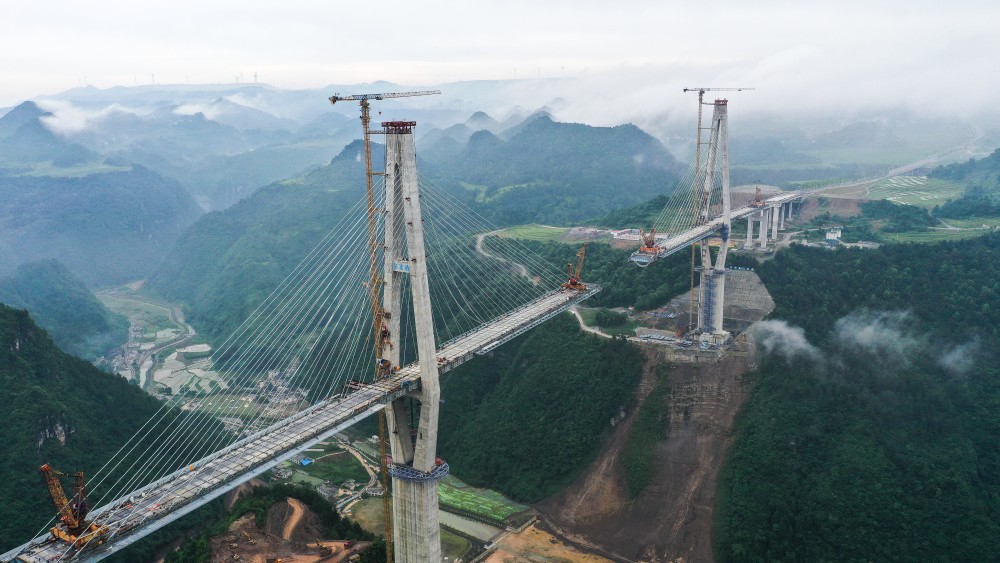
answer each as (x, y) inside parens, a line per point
(535, 232)
(483, 502)
(974, 222)
(230, 405)
(911, 190)
(934, 235)
(336, 468)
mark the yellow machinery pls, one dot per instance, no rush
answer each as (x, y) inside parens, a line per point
(574, 273)
(73, 527)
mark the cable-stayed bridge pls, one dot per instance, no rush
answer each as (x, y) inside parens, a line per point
(398, 292)
(160, 503)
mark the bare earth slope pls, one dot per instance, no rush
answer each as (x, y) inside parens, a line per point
(671, 519)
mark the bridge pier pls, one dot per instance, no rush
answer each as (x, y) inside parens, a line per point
(749, 243)
(774, 223)
(781, 217)
(762, 235)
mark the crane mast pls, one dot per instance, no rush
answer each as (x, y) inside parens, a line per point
(382, 366)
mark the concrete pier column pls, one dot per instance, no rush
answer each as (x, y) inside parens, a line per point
(749, 243)
(781, 217)
(774, 223)
(762, 238)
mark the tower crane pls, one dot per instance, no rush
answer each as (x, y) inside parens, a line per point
(375, 285)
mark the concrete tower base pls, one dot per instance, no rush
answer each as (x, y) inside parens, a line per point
(416, 531)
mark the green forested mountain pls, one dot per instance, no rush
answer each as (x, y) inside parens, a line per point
(879, 441)
(556, 173)
(107, 228)
(641, 215)
(59, 410)
(24, 140)
(982, 197)
(229, 261)
(500, 427)
(108, 223)
(62, 304)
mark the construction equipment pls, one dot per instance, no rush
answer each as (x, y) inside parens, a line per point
(574, 272)
(758, 199)
(375, 284)
(250, 540)
(73, 528)
(324, 550)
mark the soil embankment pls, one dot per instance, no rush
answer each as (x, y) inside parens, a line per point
(671, 519)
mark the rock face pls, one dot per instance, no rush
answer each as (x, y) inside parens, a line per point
(671, 519)
(54, 427)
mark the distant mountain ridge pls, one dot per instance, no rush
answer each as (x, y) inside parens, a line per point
(544, 171)
(62, 304)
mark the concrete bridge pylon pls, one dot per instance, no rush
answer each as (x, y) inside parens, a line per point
(711, 292)
(415, 468)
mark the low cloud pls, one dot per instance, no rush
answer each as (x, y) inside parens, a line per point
(885, 340)
(789, 342)
(887, 335)
(68, 119)
(958, 361)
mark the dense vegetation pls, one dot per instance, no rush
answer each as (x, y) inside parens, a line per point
(62, 305)
(641, 215)
(623, 285)
(24, 141)
(878, 441)
(975, 202)
(526, 420)
(107, 228)
(877, 217)
(982, 197)
(53, 397)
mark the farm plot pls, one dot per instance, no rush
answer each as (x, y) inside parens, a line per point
(483, 503)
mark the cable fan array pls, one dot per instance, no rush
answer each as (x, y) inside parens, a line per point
(310, 340)
(684, 202)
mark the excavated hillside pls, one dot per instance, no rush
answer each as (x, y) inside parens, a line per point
(671, 518)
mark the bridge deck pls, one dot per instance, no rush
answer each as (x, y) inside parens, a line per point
(668, 246)
(152, 507)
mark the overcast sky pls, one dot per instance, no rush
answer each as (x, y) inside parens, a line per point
(938, 54)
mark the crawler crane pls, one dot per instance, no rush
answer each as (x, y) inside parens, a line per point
(73, 527)
(574, 273)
